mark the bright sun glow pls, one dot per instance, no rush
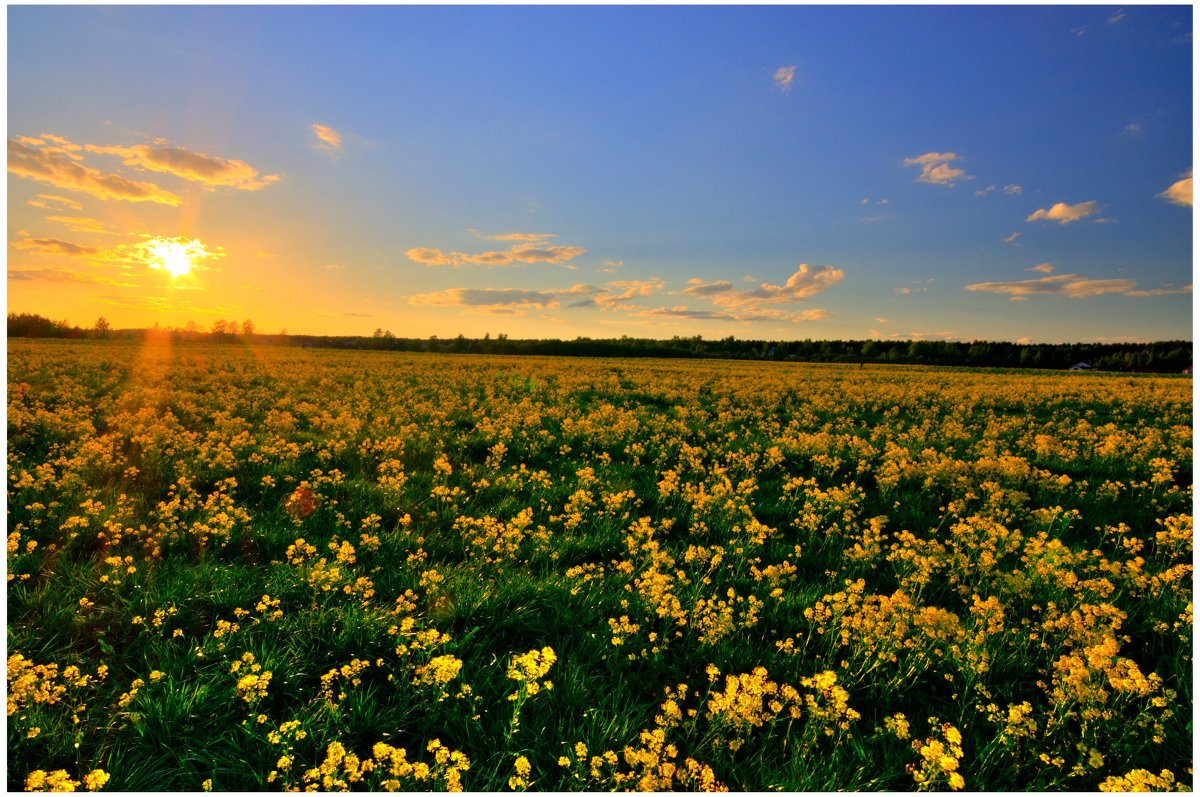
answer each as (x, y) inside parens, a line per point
(178, 256)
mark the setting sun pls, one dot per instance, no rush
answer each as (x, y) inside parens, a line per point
(175, 255)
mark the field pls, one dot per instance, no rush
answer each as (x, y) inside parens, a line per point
(233, 567)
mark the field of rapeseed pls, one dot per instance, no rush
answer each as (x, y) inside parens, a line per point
(257, 569)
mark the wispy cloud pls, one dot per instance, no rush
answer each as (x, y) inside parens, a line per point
(784, 76)
(763, 314)
(1117, 17)
(1132, 130)
(160, 304)
(60, 168)
(522, 253)
(328, 139)
(1180, 192)
(488, 298)
(1045, 268)
(609, 266)
(698, 287)
(936, 168)
(1063, 213)
(1012, 189)
(514, 236)
(47, 202)
(67, 275)
(82, 224)
(916, 335)
(54, 246)
(1008, 239)
(1074, 286)
(207, 170)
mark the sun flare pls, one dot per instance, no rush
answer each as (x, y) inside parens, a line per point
(177, 256)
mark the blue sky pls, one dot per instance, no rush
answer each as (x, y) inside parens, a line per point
(1005, 173)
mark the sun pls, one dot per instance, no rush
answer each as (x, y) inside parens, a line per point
(176, 256)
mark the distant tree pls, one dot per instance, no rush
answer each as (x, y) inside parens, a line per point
(102, 327)
(32, 325)
(247, 327)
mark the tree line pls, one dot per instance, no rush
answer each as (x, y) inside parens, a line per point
(1158, 357)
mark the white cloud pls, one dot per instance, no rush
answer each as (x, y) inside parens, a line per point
(1180, 192)
(1063, 213)
(1008, 239)
(1045, 268)
(936, 168)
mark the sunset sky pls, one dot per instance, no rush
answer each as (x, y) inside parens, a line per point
(780, 172)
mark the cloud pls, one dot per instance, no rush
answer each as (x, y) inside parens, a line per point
(803, 284)
(1180, 192)
(626, 291)
(53, 246)
(328, 139)
(520, 253)
(681, 311)
(1074, 286)
(784, 76)
(622, 295)
(82, 224)
(1012, 189)
(147, 253)
(1008, 239)
(61, 169)
(936, 168)
(875, 333)
(1117, 17)
(66, 275)
(204, 169)
(1064, 213)
(698, 287)
(160, 304)
(487, 298)
(1132, 130)
(609, 266)
(517, 236)
(1045, 268)
(42, 199)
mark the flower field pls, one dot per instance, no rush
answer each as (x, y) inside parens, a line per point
(244, 568)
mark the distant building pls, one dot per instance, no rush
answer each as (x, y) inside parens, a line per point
(1080, 367)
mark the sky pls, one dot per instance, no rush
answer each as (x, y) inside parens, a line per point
(1018, 173)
